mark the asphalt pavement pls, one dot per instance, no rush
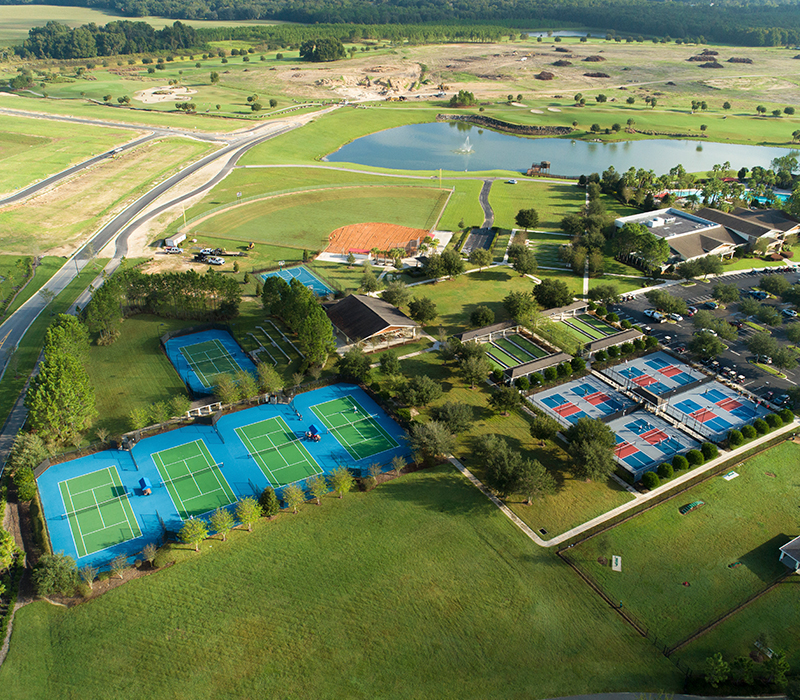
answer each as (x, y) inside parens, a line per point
(676, 334)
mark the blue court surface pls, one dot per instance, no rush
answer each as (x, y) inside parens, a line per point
(586, 397)
(645, 440)
(227, 466)
(713, 409)
(657, 372)
(304, 276)
(199, 359)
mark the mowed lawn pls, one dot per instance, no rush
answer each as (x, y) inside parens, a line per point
(744, 520)
(305, 220)
(133, 372)
(419, 588)
(552, 201)
(545, 248)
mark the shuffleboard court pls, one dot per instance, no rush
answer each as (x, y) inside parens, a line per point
(99, 513)
(208, 360)
(354, 429)
(194, 481)
(277, 451)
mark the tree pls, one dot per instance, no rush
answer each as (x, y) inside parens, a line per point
(480, 257)
(389, 363)
(664, 301)
(341, 481)
(784, 358)
(792, 333)
(269, 381)
(248, 512)
(604, 293)
(227, 390)
(398, 464)
(519, 305)
(214, 77)
(591, 446)
(8, 550)
(653, 251)
(452, 263)
(354, 366)
(474, 369)
(55, 574)
(525, 263)
(431, 439)
(527, 218)
(273, 103)
(420, 390)
(726, 106)
(726, 293)
(481, 316)
(322, 50)
(457, 416)
(294, 497)
(706, 345)
(369, 282)
(29, 449)
(552, 293)
(396, 293)
(743, 670)
(769, 315)
(246, 384)
(422, 309)
(269, 502)
(318, 487)
(118, 565)
(717, 670)
(776, 667)
(193, 532)
(504, 399)
(88, 574)
(534, 481)
(463, 99)
(221, 522)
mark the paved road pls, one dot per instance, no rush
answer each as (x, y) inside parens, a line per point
(483, 198)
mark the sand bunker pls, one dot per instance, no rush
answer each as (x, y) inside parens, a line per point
(553, 109)
(536, 111)
(165, 93)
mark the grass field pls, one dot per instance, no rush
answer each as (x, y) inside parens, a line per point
(44, 271)
(31, 149)
(552, 200)
(306, 219)
(545, 248)
(311, 594)
(133, 372)
(744, 520)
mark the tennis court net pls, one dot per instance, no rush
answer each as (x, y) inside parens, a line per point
(94, 506)
(189, 475)
(194, 363)
(274, 448)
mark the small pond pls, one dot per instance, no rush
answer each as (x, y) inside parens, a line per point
(466, 147)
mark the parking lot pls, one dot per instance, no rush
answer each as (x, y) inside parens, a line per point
(735, 358)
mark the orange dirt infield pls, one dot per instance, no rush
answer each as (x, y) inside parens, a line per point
(361, 238)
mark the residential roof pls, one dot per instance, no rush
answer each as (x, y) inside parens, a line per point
(750, 228)
(774, 218)
(480, 332)
(792, 549)
(361, 317)
(705, 242)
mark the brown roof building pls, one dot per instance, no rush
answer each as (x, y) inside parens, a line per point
(363, 318)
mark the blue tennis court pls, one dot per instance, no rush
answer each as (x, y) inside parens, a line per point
(304, 276)
(658, 373)
(712, 409)
(587, 397)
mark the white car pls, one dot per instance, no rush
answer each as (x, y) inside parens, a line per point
(206, 251)
(655, 315)
(706, 330)
(215, 261)
(172, 249)
(791, 313)
(675, 317)
(511, 182)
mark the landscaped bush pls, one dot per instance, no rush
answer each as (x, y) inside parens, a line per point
(625, 323)
(404, 414)
(578, 364)
(612, 318)
(551, 374)
(680, 463)
(638, 344)
(774, 420)
(523, 384)
(749, 432)
(591, 306)
(665, 470)
(601, 356)
(650, 480)
(613, 352)
(761, 426)
(695, 458)
(787, 416)
(537, 379)
(564, 369)
(26, 484)
(650, 341)
(709, 450)
(626, 348)
(497, 376)
(601, 311)
(735, 438)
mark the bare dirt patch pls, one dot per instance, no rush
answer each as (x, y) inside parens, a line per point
(361, 238)
(164, 93)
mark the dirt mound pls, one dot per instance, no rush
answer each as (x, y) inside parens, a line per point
(597, 75)
(544, 75)
(562, 63)
(711, 64)
(734, 59)
(362, 238)
(594, 59)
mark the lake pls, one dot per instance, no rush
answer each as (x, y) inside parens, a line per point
(442, 145)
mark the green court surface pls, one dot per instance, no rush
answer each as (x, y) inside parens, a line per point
(593, 333)
(279, 454)
(598, 324)
(208, 360)
(497, 352)
(521, 355)
(527, 346)
(98, 511)
(574, 332)
(194, 482)
(355, 430)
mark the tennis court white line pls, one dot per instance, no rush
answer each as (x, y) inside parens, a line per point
(78, 493)
(254, 453)
(122, 502)
(69, 526)
(307, 458)
(177, 495)
(99, 512)
(206, 455)
(108, 527)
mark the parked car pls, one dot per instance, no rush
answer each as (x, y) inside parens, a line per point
(681, 349)
(759, 294)
(791, 313)
(783, 400)
(736, 324)
(207, 251)
(215, 260)
(675, 317)
(691, 311)
(173, 249)
(711, 305)
(655, 315)
(768, 396)
(511, 182)
(706, 330)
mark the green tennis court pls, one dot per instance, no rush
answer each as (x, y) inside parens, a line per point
(208, 360)
(355, 430)
(194, 481)
(279, 454)
(98, 511)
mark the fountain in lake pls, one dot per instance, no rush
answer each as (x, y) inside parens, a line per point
(466, 148)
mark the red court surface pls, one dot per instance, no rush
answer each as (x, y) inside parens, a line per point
(671, 371)
(625, 449)
(567, 409)
(703, 415)
(654, 436)
(644, 380)
(597, 398)
(728, 404)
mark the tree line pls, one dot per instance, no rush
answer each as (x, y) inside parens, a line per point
(56, 40)
(209, 297)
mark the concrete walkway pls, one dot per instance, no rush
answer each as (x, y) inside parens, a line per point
(625, 507)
